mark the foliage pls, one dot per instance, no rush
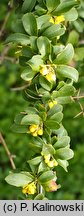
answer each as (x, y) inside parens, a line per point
(26, 75)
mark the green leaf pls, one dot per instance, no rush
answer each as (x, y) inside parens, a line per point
(18, 118)
(73, 38)
(44, 46)
(17, 26)
(42, 20)
(48, 149)
(63, 163)
(52, 4)
(27, 51)
(64, 7)
(71, 15)
(79, 25)
(57, 117)
(79, 54)
(64, 153)
(19, 179)
(35, 62)
(42, 167)
(40, 10)
(18, 38)
(23, 60)
(33, 42)
(30, 24)
(67, 71)
(31, 95)
(53, 31)
(64, 100)
(40, 196)
(31, 119)
(61, 132)
(45, 83)
(55, 109)
(30, 110)
(62, 142)
(46, 176)
(65, 56)
(57, 49)
(35, 143)
(66, 90)
(35, 161)
(28, 74)
(19, 128)
(28, 5)
(52, 124)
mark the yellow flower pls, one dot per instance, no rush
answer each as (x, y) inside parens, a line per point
(55, 163)
(33, 127)
(52, 103)
(29, 189)
(50, 163)
(51, 76)
(36, 130)
(44, 70)
(47, 158)
(52, 20)
(48, 72)
(40, 132)
(57, 19)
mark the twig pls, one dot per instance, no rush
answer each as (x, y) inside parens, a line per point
(4, 23)
(10, 6)
(20, 88)
(78, 97)
(7, 151)
(78, 114)
(13, 60)
(5, 51)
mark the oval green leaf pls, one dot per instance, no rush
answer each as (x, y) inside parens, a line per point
(19, 179)
(18, 38)
(30, 24)
(67, 71)
(44, 46)
(28, 74)
(46, 176)
(31, 119)
(64, 153)
(28, 5)
(65, 56)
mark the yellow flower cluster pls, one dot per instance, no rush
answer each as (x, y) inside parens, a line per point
(29, 189)
(48, 72)
(51, 162)
(52, 103)
(36, 130)
(57, 19)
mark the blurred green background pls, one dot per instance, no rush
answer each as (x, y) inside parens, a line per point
(12, 102)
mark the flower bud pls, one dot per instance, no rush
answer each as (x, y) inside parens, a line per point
(40, 132)
(50, 163)
(35, 134)
(51, 186)
(32, 128)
